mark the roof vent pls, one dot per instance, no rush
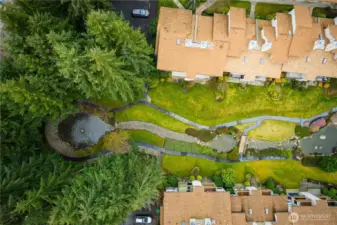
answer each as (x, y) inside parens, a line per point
(250, 211)
(178, 41)
(266, 210)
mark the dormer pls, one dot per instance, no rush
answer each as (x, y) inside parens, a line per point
(331, 34)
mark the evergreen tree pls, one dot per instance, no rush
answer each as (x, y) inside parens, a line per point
(108, 190)
(29, 187)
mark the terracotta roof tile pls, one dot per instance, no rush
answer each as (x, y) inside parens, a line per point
(237, 17)
(220, 27)
(283, 23)
(302, 42)
(314, 67)
(280, 49)
(302, 16)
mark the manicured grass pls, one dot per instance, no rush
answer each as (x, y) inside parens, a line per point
(272, 130)
(319, 12)
(288, 173)
(200, 106)
(181, 146)
(264, 9)
(167, 3)
(148, 114)
(222, 7)
(147, 137)
(242, 127)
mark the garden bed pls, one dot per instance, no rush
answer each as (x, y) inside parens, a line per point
(181, 146)
(288, 173)
(268, 11)
(199, 105)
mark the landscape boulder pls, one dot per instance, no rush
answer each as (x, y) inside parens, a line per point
(333, 118)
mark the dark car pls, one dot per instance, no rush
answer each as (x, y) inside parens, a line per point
(144, 13)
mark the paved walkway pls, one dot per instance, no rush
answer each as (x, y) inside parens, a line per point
(223, 143)
(160, 131)
(252, 10)
(178, 4)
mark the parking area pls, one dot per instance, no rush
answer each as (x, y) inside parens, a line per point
(151, 210)
(126, 7)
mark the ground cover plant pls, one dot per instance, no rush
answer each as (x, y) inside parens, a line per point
(288, 173)
(272, 130)
(181, 146)
(268, 11)
(199, 106)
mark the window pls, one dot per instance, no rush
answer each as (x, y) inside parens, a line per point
(262, 61)
(324, 61)
(178, 41)
(245, 58)
(307, 59)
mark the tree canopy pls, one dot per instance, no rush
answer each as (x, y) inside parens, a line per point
(228, 176)
(65, 50)
(46, 189)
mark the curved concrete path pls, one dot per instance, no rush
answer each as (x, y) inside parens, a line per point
(222, 143)
(258, 120)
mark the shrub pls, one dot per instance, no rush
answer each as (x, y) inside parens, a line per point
(277, 152)
(172, 181)
(276, 191)
(311, 160)
(202, 135)
(228, 176)
(234, 154)
(217, 180)
(247, 183)
(192, 178)
(195, 171)
(270, 184)
(302, 131)
(328, 164)
(199, 178)
(326, 85)
(223, 130)
(233, 130)
(325, 190)
(249, 176)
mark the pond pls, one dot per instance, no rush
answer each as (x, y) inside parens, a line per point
(82, 130)
(322, 142)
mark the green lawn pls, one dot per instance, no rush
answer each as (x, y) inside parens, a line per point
(147, 137)
(319, 12)
(272, 130)
(200, 106)
(264, 9)
(222, 7)
(242, 127)
(288, 173)
(148, 114)
(181, 146)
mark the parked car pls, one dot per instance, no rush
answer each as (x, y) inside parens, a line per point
(143, 219)
(140, 13)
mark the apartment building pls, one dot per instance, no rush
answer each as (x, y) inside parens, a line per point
(196, 47)
(204, 204)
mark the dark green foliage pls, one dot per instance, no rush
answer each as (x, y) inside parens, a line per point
(29, 187)
(276, 191)
(217, 180)
(328, 164)
(311, 160)
(106, 191)
(172, 181)
(202, 135)
(270, 184)
(276, 152)
(302, 131)
(330, 192)
(233, 130)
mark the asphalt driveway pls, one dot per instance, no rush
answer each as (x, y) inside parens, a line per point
(126, 7)
(149, 210)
